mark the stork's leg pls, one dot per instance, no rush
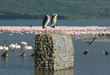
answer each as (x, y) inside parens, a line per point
(54, 28)
(45, 29)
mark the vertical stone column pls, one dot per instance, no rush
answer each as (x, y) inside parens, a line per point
(50, 54)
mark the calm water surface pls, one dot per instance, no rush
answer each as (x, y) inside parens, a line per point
(95, 63)
(59, 23)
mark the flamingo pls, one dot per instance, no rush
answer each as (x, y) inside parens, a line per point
(12, 45)
(10, 34)
(24, 42)
(5, 48)
(21, 33)
(1, 47)
(27, 47)
(27, 32)
(17, 46)
(76, 30)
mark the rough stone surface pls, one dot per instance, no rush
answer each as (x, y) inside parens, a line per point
(60, 72)
(48, 51)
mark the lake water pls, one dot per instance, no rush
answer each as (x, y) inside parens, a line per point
(59, 23)
(95, 63)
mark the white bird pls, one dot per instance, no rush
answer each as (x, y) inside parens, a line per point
(1, 47)
(21, 33)
(5, 48)
(27, 32)
(17, 46)
(27, 47)
(53, 20)
(24, 42)
(10, 34)
(46, 20)
(12, 46)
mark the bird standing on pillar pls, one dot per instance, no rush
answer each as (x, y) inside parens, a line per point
(53, 20)
(46, 20)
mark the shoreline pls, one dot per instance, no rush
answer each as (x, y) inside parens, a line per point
(73, 30)
(94, 41)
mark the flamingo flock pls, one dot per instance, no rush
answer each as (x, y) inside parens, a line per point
(16, 46)
(27, 47)
(73, 30)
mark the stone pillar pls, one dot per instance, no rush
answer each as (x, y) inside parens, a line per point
(54, 51)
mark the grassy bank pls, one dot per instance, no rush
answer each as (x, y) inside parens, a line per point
(100, 37)
(73, 37)
(94, 41)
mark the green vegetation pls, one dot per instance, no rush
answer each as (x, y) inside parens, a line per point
(72, 9)
(73, 37)
(4, 31)
(100, 37)
(94, 41)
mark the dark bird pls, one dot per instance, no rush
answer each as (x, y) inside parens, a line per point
(105, 52)
(32, 55)
(92, 41)
(85, 52)
(23, 54)
(5, 54)
(46, 20)
(53, 20)
(31, 26)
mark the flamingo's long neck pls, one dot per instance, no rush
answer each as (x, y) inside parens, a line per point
(26, 46)
(16, 43)
(4, 46)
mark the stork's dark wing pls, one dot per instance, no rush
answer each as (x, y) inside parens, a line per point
(52, 19)
(44, 21)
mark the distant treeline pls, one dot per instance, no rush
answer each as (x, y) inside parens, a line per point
(66, 9)
(9, 16)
